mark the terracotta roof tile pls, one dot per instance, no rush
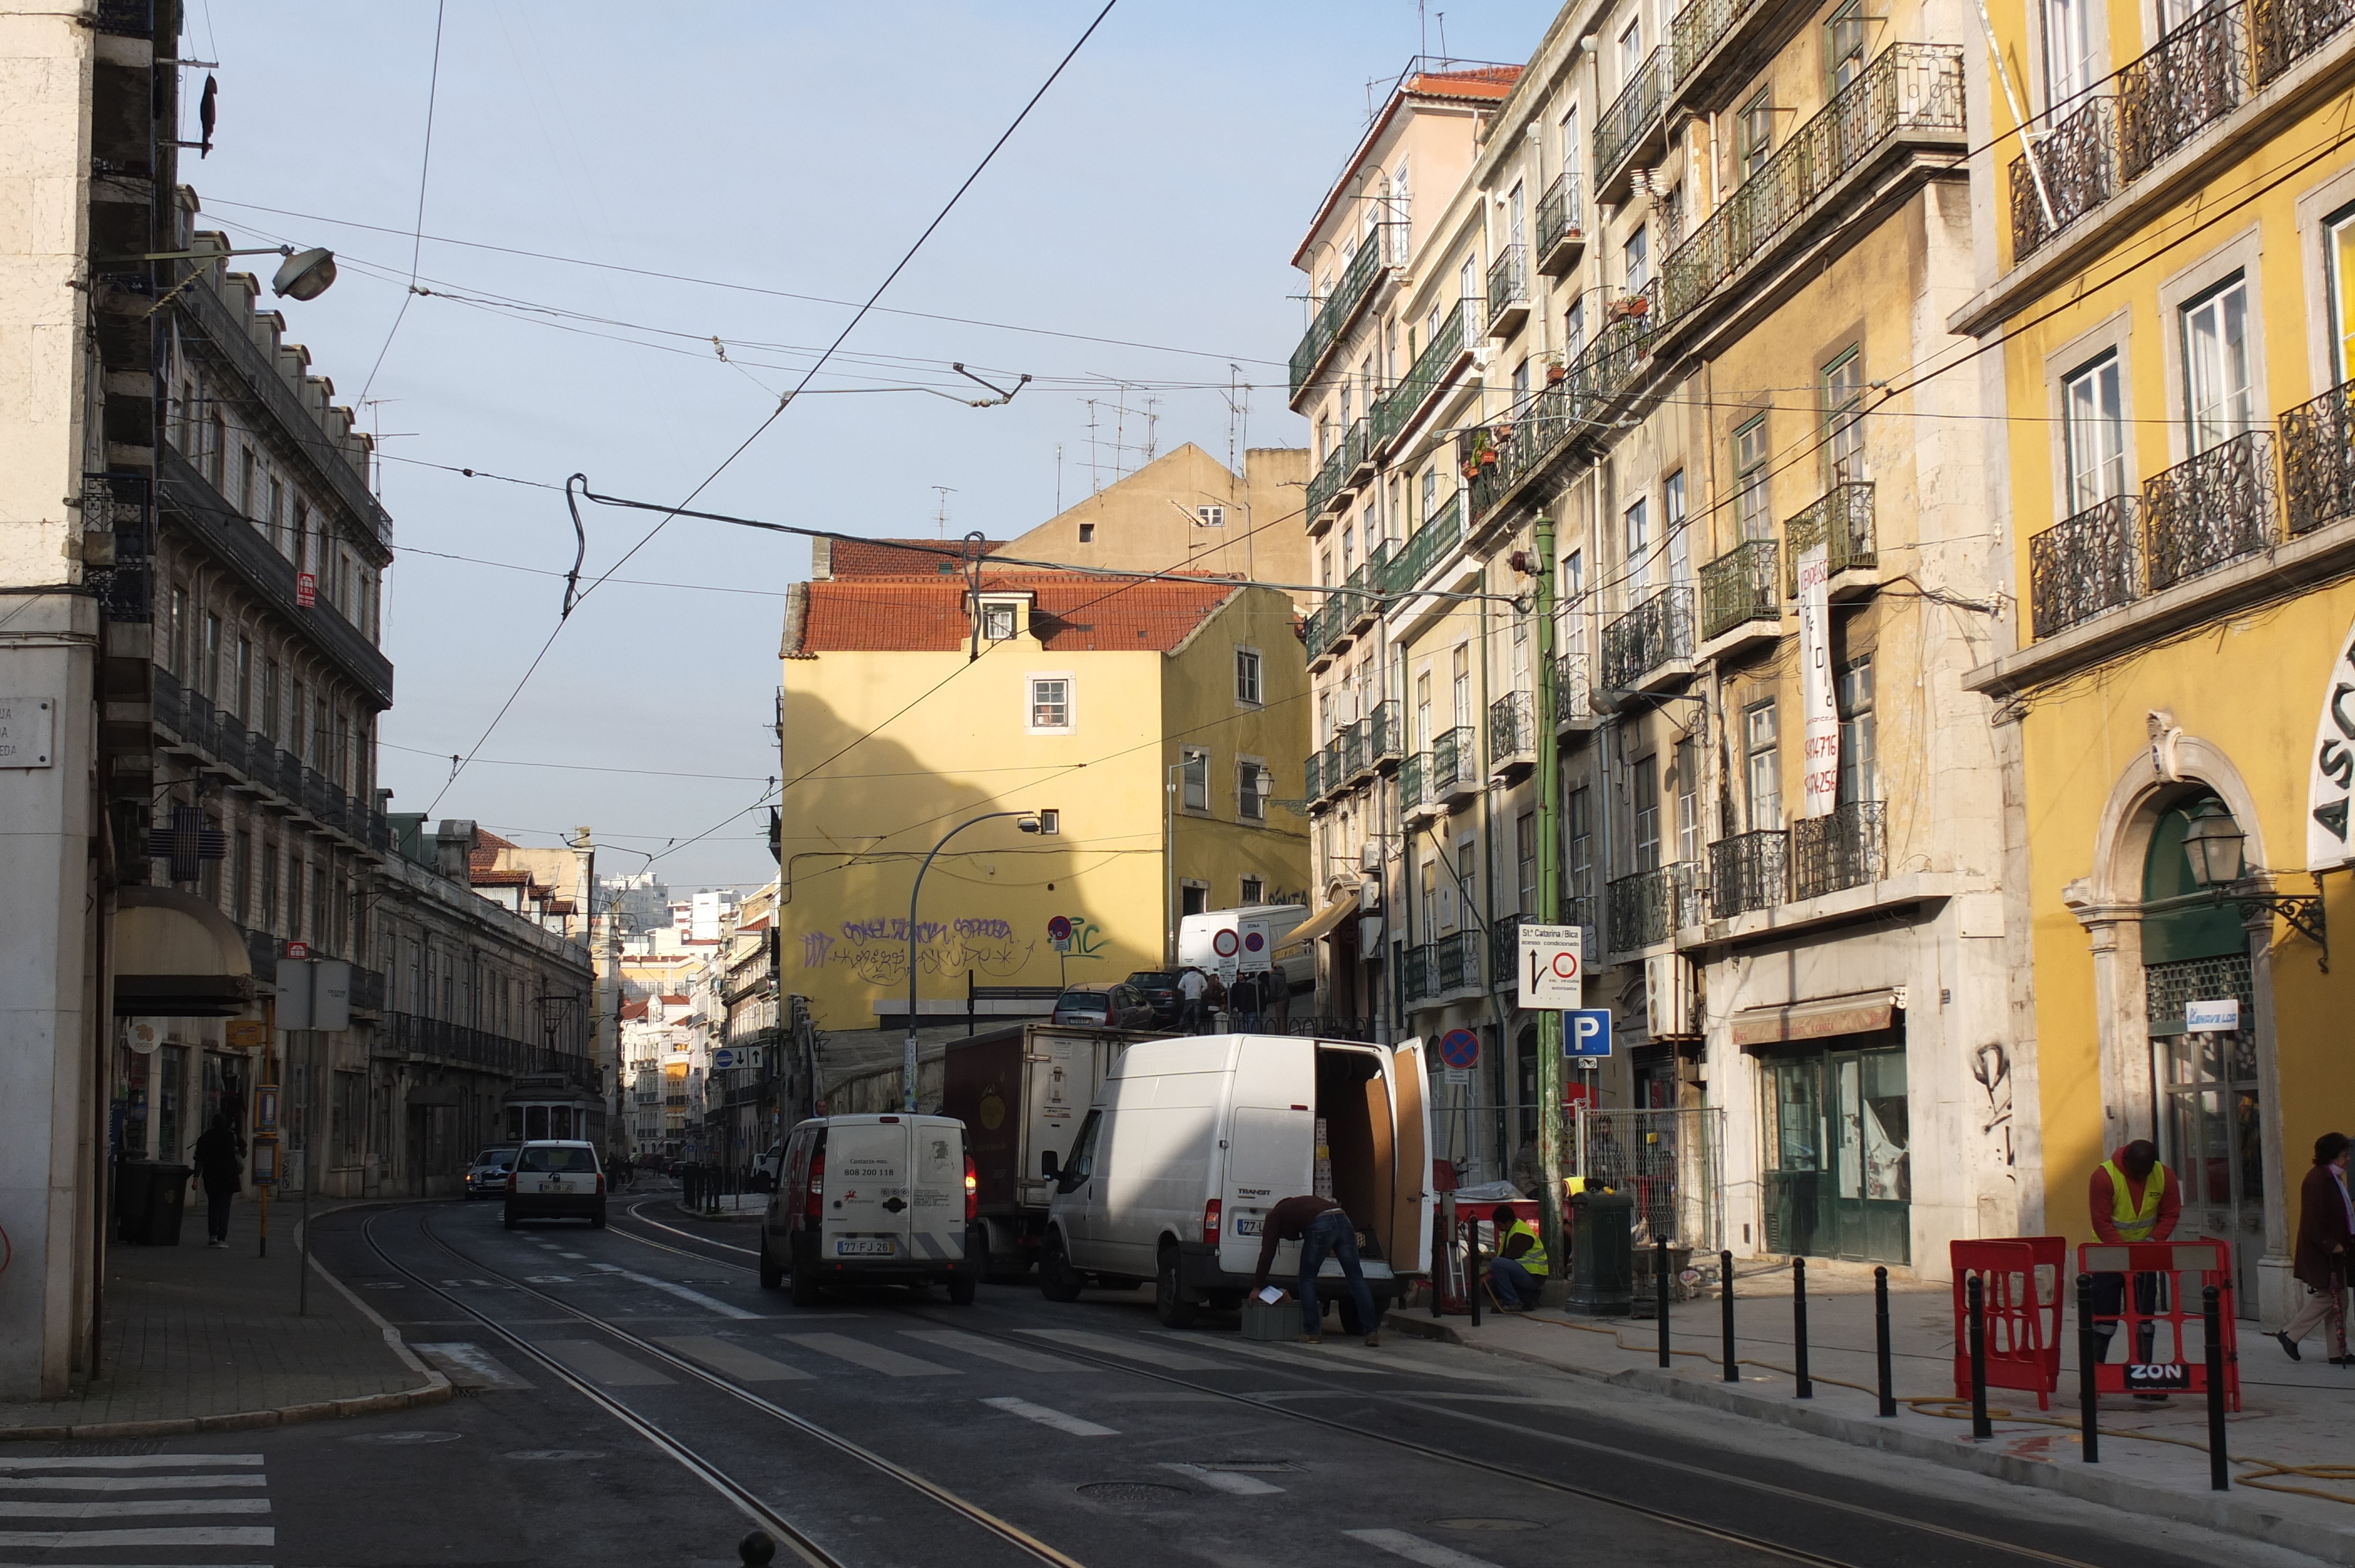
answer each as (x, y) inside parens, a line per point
(1071, 611)
(892, 558)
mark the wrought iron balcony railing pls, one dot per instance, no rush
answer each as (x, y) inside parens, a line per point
(1325, 484)
(1313, 778)
(2209, 511)
(1504, 951)
(1357, 751)
(1739, 586)
(1355, 453)
(2081, 565)
(2078, 159)
(1328, 766)
(1602, 369)
(1415, 793)
(1650, 907)
(2197, 75)
(2317, 441)
(1387, 736)
(1455, 762)
(1416, 973)
(1647, 637)
(1357, 280)
(2284, 32)
(1512, 731)
(1697, 29)
(1460, 332)
(1432, 543)
(1747, 871)
(1560, 219)
(1840, 849)
(1632, 116)
(1841, 521)
(1573, 691)
(1508, 285)
(1456, 961)
(223, 740)
(1365, 585)
(1326, 626)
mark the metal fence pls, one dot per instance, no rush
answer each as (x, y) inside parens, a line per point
(1671, 1161)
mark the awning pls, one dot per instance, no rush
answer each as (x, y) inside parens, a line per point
(1859, 1012)
(1324, 922)
(177, 956)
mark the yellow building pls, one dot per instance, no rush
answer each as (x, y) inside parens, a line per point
(1143, 712)
(2163, 297)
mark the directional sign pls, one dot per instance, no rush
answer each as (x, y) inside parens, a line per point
(1552, 975)
(1586, 1032)
(1460, 1048)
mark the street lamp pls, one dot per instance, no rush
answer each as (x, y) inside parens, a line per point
(1043, 822)
(304, 274)
(2212, 843)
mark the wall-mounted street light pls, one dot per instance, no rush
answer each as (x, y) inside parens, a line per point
(1049, 822)
(303, 275)
(2213, 841)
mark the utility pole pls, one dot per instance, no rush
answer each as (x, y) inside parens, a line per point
(1550, 1059)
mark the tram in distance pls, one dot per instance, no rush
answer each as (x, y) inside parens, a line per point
(551, 1105)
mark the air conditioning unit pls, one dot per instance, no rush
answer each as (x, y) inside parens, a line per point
(1369, 856)
(1669, 1013)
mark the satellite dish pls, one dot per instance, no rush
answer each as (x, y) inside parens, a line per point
(305, 274)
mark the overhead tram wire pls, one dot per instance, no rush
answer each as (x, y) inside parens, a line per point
(786, 401)
(417, 232)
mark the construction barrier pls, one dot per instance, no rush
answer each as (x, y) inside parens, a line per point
(1475, 1221)
(2020, 1288)
(2157, 1286)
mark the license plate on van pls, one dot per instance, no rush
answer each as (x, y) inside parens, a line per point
(864, 1246)
(1247, 1224)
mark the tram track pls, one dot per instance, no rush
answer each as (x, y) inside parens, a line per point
(743, 1498)
(2012, 1549)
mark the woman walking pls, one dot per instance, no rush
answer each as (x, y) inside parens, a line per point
(220, 1166)
(2326, 1224)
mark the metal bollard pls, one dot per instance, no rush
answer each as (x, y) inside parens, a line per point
(1975, 1329)
(2089, 1356)
(1475, 1278)
(1660, 1290)
(1725, 1312)
(1807, 1389)
(2211, 1328)
(756, 1550)
(1881, 1340)
(1447, 1254)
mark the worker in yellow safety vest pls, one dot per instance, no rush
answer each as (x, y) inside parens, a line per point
(1519, 1272)
(2132, 1198)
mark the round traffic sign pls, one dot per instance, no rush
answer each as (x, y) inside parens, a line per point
(1460, 1048)
(1223, 943)
(1256, 940)
(1060, 928)
(1565, 965)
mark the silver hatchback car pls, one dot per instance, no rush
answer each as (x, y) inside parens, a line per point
(487, 1176)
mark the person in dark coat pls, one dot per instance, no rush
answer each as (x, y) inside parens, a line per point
(2326, 1227)
(220, 1166)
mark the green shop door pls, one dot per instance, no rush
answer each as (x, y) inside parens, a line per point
(1838, 1176)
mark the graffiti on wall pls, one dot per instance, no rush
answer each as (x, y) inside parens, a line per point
(877, 950)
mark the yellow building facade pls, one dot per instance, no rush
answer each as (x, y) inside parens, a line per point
(2161, 307)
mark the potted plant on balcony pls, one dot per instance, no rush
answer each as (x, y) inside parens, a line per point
(1631, 307)
(1556, 371)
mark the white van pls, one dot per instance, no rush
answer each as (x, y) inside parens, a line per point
(875, 1200)
(1192, 1141)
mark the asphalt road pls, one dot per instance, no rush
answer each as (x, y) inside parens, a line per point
(631, 1396)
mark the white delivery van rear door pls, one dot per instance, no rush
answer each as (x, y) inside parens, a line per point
(867, 1190)
(936, 1192)
(1271, 1156)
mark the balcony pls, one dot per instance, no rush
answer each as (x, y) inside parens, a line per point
(1509, 290)
(1365, 603)
(2197, 75)
(1838, 851)
(251, 761)
(1417, 798)
(1561, 226)
(1696, 33)
(1431, 544)
(1455, 764)
(1415, 974)
(2283, 32)
(2081, 565)
(1387, 739)
(1333, 317)
(2209, 512)
(1448, 351)
(407, 1034)
(1746, 871)
(1313, 778)
(1841, 521)
(1325, 632)
(1357, 751)
(1357, 456)
(1650, 907)
(1498, 458)
(1324, 486)
(1573, 693)
(2318, 459)
(1742, 596)
(1651, 645)
(2078, 161)
(1512, 735)
(1631, 128)
(1328, 768)
(1456, 963)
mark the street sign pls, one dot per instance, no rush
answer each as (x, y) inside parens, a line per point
(1455, 1075)
(298, 951)
(1552, 975)
(1224, 943)
(1586, 1032)
(723, 1059)
(1060, 928)
(1460, 1048)
(2219, 1017)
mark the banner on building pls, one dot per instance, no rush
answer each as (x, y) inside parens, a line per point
(2331, 766)
(1819, 711)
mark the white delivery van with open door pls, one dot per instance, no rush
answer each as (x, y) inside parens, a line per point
(874, 1200)
(1192, 1141)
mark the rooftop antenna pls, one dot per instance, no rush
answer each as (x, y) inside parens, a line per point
(940, 523)
(1422, 23)
(1442, 35)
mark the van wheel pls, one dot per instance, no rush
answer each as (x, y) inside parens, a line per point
(960, 1289)
(1058, 1280)
(771, 1275)
(804, 1287)
(510, 1221)
(597, 1220)
(1173, 1311)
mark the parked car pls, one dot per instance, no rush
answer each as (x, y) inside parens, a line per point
(1103, 1007)
(487, 1176)
(558, 1178)
(875, 1200)
(1160, 990)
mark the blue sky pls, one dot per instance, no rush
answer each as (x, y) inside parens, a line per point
(1154, 197)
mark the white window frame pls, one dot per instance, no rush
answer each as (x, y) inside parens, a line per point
(1250, 806)
(2092, 433)
(2219, 400)
(1071, 702)
(1188, 773)
(1250, 693)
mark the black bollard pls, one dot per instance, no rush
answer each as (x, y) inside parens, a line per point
(1660, 1291)
(1881, 1340)
(1439, 1244)
(1475, 1281)
(2212, 1327)
(2089, 1356)
(756, 1550)
(1807, 1389)
(1725, 1312)
(1974, 1328)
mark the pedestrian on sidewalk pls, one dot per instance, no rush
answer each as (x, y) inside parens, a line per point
(2133, 1198)
(1519, 1272)
(2326, 1226)
(221, 1165)
(1244, 998)
(1322, 1228)
(1192, 987)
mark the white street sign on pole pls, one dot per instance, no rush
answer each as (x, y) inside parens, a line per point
(1553, 970)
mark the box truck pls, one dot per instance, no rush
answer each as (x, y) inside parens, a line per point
(1227, 942)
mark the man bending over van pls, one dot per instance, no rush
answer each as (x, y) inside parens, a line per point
(1322, 1227)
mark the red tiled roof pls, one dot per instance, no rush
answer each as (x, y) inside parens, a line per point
(484, 876)
(675, 1001)
(1494, 81)
(892, 558)
(1072, 612)
(632, 1010)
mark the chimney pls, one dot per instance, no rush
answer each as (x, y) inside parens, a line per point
(453, 848)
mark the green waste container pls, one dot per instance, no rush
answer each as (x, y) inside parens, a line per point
(1602, 1260)
(150, 1198)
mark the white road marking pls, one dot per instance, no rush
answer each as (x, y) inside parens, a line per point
(124, 1483)
(607, 1267)
(131, 1462)
(1302, 1357)
(728, 1356)
(573, 1254)
(548, 1279)
(150, 1507)
(1054, 1418)
(600, 1363)
(1234, 1483)
(709, 1303)
(1415, 1549)
(993, 1350)
(192, 1535)
(470, 1366)
(1132, 1350)
(874, 1358)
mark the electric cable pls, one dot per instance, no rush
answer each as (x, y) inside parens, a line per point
(417, 234)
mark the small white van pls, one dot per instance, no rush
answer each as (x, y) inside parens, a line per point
(1191, 1142)
(875, 1200)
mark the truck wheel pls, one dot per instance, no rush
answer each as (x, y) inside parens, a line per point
(1173, 1311)
(960, 1289)
(1058, 1281)
(771, 1275)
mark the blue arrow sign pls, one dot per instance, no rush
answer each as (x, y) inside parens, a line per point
(1586, 1032)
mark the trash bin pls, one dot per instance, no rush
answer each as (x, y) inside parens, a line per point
(1603, 1263)
(150, 1197)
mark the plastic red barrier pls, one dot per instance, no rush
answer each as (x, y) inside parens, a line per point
(2020, 1295)
(2147, 1360)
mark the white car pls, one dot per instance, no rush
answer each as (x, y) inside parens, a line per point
(557, 1179)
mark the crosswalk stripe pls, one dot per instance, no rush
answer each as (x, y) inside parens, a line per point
(1134, 1350)
(709, 1303)
(874, 1358)
(131, 1462)
(994, 1351)
(1300, 1357)
(195, 1535)
(1415, 1549)
(600, 1363)
(731, 1358)
(148, 1507)
(1046, 1417)
(123, 1483)
(1234, 1483)
(471, 1366)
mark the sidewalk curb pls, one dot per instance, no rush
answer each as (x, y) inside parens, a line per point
(736, 1218)
(2222, 1511)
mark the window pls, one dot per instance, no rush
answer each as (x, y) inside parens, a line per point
(301, 554)
(1087, 533)
(276, 519)
(1525, 862)
(319, 734)
(270, 698)
(2093, 434)
(1250, 806)
(1631, 50)
(1422, 711)
(1640, 258)
(1859, 743)
(211, 681)
(1431, 910)
(216, 447)
(2340, 265)
(1753, 136)
(1646, 796)
(1467, 279)
(1570, 154)
(269, 885)
(1467, 877)
(1844, 44)
(1253, 890)
(1051, 703)
(1844, 417)
(1688, 799)
(1573, 617)
(1759, 735)
(1638, 530)
(1573, 331)
(1430, 493)
(241, 885)
(1750, 479)
(293, 897)
(1210, 517)
(242, 703)
(177, 633)
(1580, 817)
(998, 621)
(1247, 676)
(249, 485)
(2068, 62)
(2216, 394)
(1193, 898)
(1672, 527)
(1463, 672)
(1194, 779)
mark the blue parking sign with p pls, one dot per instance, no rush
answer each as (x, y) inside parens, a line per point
(1586, 1032)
